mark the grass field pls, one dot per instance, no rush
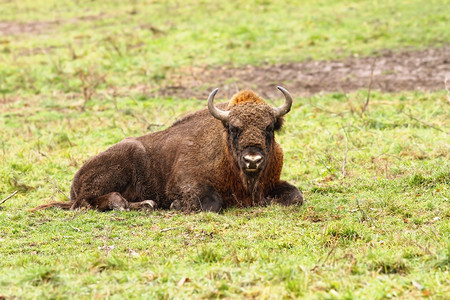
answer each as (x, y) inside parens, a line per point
(71, 45)
(375, 223)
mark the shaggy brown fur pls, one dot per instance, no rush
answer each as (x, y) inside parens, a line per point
(244, 96)
(196, 164)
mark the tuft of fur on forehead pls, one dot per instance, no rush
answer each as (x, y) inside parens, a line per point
(245, 96)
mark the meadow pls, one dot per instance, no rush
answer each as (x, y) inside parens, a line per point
(79, 76)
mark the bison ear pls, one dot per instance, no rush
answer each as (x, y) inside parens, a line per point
(278, 123)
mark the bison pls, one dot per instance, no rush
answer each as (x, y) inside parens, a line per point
(209, 160)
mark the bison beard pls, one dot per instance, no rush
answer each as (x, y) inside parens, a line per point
(209, 160)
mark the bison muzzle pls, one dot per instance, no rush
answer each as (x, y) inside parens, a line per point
(209, 160)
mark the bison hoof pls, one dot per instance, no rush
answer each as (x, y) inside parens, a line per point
(117, 202)
(176, 205)
(298, 200)
(143, 205)
(148, 204)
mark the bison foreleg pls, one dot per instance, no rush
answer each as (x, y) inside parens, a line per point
(286, 194)
(204, 198)
(211, 201)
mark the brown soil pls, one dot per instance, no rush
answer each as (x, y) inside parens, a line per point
(38, 27)
(424, 70)
(34, 27)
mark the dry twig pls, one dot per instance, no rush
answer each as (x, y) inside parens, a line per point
(329, 254)
(167, 229)
(90, 81)
(10, 196)
(345, 154)
(113, 43)
(77, 229)
(370, 87)
(340, 114)
(447, 89)
(363, 213)
(55, 185)
(424, 123)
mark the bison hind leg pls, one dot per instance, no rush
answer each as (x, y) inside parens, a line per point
(115, 201)
(111, 201)
(142, 205)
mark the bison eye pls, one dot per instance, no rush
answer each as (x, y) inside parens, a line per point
(269, 128)
(234, 130)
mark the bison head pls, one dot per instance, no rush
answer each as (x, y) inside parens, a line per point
(250, 124)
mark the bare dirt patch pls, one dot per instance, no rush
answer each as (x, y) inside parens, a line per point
(424, 70)
(39, 27)
(32, 27)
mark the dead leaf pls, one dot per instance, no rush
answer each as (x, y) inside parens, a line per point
(417, 285)
(183, 281)
(107, 248)
(150, 276)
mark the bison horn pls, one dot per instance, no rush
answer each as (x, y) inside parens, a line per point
(217, 113)
(286, 107)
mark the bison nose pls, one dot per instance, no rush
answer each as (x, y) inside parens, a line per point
(252, 161)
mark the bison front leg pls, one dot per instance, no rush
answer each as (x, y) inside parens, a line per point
(199, 198)
(286, 194)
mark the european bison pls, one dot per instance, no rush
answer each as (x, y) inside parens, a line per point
(209, 160)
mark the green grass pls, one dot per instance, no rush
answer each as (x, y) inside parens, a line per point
(374, 227)
(114, 44)
(380, 231)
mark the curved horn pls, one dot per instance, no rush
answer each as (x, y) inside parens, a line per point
(217, 113)
(286, 107)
